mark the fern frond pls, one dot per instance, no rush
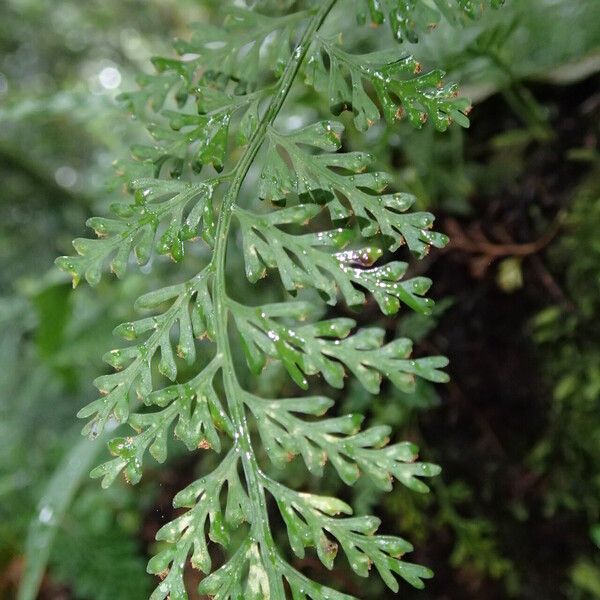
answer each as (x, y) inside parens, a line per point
(245, 46)
(339, 440)
(186, 207)
(310, 518)
(247, 68)
(221, 73)
(186, 534)
(307, 261)
(326, 347)
(193, 410)
(341, 181)
(398, 83)
(134, 363)
(240, 51)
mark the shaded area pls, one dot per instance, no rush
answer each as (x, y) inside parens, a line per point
(499, 404)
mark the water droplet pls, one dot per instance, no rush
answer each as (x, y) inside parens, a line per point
(46, 514)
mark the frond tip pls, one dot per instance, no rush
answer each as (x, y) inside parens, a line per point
(309, 519)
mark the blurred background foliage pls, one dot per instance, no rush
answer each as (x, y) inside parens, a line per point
(516, 512)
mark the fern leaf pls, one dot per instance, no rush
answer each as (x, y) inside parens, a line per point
(354, 192)
(191, 309)
(307, 261)
(245, 46)
(309, 519)
(193, 410)
(198, 138)
(325, 347)
(241, 49)
(398, 83)
(186, 207)
(337, 440)
(407, 18)
(246, 68)
(225, 76)
(186, 534)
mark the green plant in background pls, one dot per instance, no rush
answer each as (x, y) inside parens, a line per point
(325, 224)
(567, 333)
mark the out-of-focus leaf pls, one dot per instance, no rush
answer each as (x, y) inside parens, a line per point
(55, 501)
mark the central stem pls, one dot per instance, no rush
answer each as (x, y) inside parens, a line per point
(260, 524)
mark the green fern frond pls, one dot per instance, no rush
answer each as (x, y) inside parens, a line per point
(398, 83)
(242, 49)
(326, 348)
(341, 182)
(339, 440)
(245, 69)
(305, 261)
(186, 207)
(134, 363)
(310, 518)
(194, 412)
